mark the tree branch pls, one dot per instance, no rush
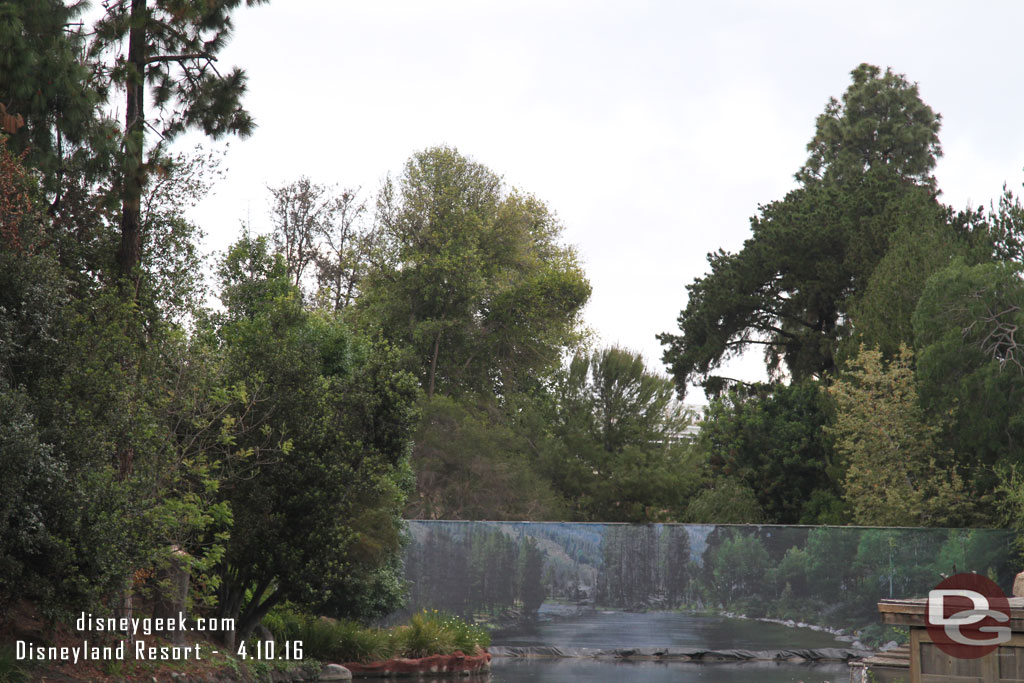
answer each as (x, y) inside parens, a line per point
(181, 58)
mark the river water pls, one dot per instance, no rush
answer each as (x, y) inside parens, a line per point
(506, 670)
(616, 630)
(605, 629)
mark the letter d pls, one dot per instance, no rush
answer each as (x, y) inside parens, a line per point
(936, 607)
(19, 650)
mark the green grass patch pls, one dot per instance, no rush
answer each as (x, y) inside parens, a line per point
(427, 633)
(10, 670)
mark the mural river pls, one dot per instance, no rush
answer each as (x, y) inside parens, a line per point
(576, 586)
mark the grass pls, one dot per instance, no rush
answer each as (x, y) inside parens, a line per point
(427, 633)
(10, 670)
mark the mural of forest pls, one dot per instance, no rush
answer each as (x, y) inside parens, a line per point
(832, 576)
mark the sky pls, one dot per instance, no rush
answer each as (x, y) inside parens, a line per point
(653, 129)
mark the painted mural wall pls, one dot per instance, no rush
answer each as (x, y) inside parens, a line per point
(831, 576)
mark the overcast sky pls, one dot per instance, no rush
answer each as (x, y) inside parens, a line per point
(654, 129)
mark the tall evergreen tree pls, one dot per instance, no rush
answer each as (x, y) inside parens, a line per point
(791, 287)
(170, 62)
(49, 104)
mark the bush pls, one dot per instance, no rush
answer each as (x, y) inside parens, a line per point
(427, 633)
(354, 643)
(440, 633)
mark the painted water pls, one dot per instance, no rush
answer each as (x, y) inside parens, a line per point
(612, 629)
(611, 586)
(556, 626)
(506, 670)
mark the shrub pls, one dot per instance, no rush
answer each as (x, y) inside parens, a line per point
(426, 634)
(354, 643)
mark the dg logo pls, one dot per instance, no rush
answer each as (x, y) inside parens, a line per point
(968, 616)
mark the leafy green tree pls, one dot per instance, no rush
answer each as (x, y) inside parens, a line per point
(897, 475)
(969, 366)
(791, 287)
(175, 270)
(317, 498)
(472, 463)
(123, 429)
(29, 541)
(923, 243)
(724, 500)
(769, 437)
(71, 550)
(1004, 228)
(619, 454)
(470, 279)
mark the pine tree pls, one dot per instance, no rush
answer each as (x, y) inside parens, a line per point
(172, 48)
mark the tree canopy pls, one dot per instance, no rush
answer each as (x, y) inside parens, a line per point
(619, 452)
(791, 288)
(896, 474)
(470, 278)
(330, 457)
(769, 438)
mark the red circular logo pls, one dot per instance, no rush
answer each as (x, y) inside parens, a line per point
(968, 616)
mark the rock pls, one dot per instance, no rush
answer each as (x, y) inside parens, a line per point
(891, 645)
(335, 672)
(1018, 586)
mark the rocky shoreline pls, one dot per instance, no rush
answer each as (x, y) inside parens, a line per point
(838, 633)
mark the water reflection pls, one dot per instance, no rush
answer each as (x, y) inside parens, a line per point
(602, 629)
(505, 670)
(676, 630)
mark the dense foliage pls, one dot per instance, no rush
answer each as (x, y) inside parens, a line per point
(888, 325)
(428, 358)
(262, 444)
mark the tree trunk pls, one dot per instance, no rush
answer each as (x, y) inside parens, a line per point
(230, 606)
(129, 256)
(433, 367)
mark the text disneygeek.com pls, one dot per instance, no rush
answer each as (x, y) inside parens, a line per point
(130, 628)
